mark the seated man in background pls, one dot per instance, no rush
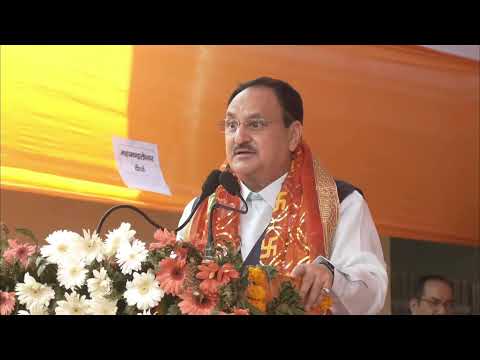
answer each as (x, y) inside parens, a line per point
(433, 296)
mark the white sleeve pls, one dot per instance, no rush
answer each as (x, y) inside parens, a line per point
(185, 215)
(360, 277)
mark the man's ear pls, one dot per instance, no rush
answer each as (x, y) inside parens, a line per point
(295, 135)
(413, 303)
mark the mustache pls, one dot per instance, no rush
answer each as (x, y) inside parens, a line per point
(243, 147)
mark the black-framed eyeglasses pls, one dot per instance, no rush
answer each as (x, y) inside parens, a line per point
(230, 126)
(436, 303)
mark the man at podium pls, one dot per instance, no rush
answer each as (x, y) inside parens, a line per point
(300, 219)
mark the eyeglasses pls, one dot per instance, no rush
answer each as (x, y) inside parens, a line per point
(436, 303)
(230, 126)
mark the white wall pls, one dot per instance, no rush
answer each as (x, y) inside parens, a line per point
(467, 51)
(387, 307)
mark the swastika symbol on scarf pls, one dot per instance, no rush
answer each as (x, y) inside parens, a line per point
(269, 249)
(280, 203)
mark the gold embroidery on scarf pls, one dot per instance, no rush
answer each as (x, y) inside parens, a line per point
(269, 248)
(280, 203)
(301, 239)
(287, 266)
(328, 203)
(304, 260)
(222, 236)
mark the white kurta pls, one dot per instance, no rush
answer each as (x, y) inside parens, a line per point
(360, 279)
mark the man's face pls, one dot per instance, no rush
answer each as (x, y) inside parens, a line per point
(259, 151)
(437, 299)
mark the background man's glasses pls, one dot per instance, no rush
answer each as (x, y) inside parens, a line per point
(448, 305)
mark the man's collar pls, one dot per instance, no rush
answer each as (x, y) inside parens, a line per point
(268, 193)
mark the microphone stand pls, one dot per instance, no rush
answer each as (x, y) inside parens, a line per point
(104, 217)
(209, 249)
(192, 212)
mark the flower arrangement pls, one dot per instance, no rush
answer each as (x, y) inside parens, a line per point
(85, 275)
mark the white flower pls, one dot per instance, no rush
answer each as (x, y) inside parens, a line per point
(89, 247)
(74, 304)
(145, 312)
(143, 291)
(61, 244)
(131, 256)
(118, 237)
(102, 306)
(71, 272)
(32, 293)
(100, 285)
(35, 309)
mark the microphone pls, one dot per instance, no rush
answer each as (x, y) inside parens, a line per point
(208, 188)
(230, 183)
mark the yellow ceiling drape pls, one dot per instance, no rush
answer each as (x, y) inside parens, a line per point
(400, 122)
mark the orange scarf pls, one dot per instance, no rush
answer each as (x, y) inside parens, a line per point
(303, 221)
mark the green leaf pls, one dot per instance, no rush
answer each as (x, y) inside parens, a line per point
(253, 310)
(38, 261)
(27, 232)
(41, 269)
(298, 311)
(288, 302)
(174, 310)
(131, 310)
(271, 271)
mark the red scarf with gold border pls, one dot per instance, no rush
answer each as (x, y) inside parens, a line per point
(303, 221)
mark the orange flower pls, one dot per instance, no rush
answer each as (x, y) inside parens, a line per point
(182, 253)
(195, 303)
(257, 276)
(226, 273)
(257, 288)
(208, 271)
(325, 305)
(171, 275)
(260, 305)
(163, 238)
(199, 242)
(239, 311)
(255, 292)
(210, 286)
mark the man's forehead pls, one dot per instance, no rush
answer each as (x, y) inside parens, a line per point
(438, 289)
(254, 101)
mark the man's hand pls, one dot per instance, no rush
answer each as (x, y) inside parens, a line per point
(316, 277)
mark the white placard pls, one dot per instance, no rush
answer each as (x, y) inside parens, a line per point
(139, 165)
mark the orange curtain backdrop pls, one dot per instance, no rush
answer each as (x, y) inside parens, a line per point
(400, 122)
